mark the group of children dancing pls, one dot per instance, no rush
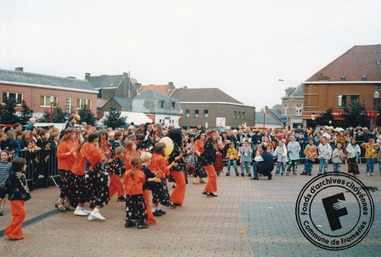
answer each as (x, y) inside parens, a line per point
(87, 167)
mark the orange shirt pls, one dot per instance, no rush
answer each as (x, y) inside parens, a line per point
(90, 152)
(198, 146)
(159, 163)
(134, 186)
(128, 157)
(66, 162)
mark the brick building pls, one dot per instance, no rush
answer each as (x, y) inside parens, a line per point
(36, 90)
(354, 77)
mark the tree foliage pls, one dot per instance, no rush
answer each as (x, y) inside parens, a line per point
(87, 116)
(8, 114)
(326, 119)
(114, 120)
(355, 115)
(58, 115)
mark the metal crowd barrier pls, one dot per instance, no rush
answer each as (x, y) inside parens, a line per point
(43, 167)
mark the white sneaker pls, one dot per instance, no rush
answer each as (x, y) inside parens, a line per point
(372, 174)
(96, 215)
(91, 217)
(80, 212)
(368, 174)
(86, 211)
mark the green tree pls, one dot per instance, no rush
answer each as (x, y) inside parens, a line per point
(26, 113)
(87, 116)
(58, 115)
(355, 115)
(114, 120)
(7, 111)
(326, 119)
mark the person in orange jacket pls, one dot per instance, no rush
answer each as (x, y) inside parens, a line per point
(160, 168)
(66, 157)
(131, 151)
(97, 178)
(134, 179)
(16, 187)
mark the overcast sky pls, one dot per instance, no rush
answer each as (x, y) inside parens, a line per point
(240, 46)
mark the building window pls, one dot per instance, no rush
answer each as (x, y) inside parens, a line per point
(239, 115)
(13, 96)
(364, 77)
(187, 113)
(355, 99)
(243, 115)
(298, 110)
(83, 103)
(100, 93)
(173, 105)
(343, 78)
(206, 113)
(161, 104)
(235, 115)
(196, 113)
(45, 101)
(342, 100)
(68, 105)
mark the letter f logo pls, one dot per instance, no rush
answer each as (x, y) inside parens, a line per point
(334, 210)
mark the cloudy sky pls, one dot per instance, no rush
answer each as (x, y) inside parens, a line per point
(240, 46)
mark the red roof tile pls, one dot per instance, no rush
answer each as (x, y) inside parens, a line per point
(352, 65)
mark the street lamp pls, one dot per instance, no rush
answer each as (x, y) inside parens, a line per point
(51, 108)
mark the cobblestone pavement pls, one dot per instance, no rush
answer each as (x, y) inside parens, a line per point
(248, 218)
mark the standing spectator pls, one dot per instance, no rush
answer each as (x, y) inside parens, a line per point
(325, 153)
(281, 154)
(310, 155)
(232, 157)
(4, 174)
(337, 157)
(17, 127)
(353, 152)
(246, 158)
(370, 154)
(31, 123)
(293, 149)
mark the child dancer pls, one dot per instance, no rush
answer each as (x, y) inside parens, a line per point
(146, 159)
(17, 189)
(134, 180)
(115, 168)
(4, 174)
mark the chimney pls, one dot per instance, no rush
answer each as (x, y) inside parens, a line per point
(87, 75)
(185, 87)
(170, 83)
(21, 69)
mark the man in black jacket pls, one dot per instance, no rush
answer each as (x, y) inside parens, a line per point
(263, 164)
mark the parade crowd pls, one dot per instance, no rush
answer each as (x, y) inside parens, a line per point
(138, 164)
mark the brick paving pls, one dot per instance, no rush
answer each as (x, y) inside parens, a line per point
(248, 218)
